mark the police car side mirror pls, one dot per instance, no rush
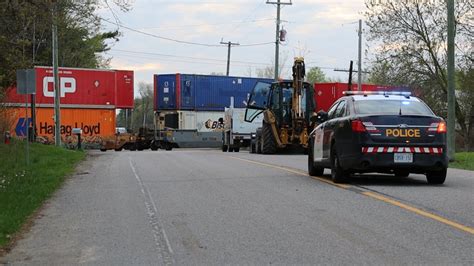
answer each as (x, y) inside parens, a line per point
(321, 117)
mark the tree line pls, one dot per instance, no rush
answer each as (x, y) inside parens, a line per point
(409, 43)
(26, 35)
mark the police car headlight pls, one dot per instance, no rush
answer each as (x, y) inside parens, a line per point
(254, 135)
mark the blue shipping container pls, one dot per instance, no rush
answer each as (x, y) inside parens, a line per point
(201, 92)
(165, 97)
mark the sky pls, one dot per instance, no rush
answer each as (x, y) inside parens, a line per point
(324, 32)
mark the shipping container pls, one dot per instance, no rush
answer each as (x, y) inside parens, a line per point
(202, 121)
(325, 94)
(124, 92)
(95, 88)
(96, 124)
(201, 92)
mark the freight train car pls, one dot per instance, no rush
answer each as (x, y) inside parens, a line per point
(89, 98)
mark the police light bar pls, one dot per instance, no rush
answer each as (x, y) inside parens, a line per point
(400, 93)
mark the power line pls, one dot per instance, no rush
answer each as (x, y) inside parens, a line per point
(256, 44)
(240, 22)
(160, 37)
(250, 14)
(187, 57)
(175, 40)
(207, 61)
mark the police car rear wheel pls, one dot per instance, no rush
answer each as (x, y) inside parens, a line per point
(436, 177)
(338, 175)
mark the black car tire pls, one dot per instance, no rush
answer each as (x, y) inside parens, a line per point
(231, 149)
(253, 148)
(312, 170)
(268, 140)
(224, 148)
(237, 149)
(436, 177)
(258, 141)
(338, 175)
(119, 149)
(401, 173)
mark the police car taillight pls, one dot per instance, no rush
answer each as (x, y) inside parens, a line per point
(441, 127)
(370, 127)
(358, 126)
(438, 127)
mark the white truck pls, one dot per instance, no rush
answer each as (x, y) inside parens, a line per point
(238, 133)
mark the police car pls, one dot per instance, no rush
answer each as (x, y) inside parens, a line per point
(386, 132)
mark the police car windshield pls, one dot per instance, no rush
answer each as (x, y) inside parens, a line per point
(391, 107)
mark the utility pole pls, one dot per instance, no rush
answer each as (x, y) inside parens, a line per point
(351, 71)
(33, 95)
(451, 88)
(57, 95)
(229, 44)
(277, 33)
(359, 62)
(349, 84)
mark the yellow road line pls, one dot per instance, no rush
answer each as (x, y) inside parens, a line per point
(372, 195)
(419, 212)
(294, 172)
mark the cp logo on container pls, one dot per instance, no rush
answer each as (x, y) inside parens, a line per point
(67, 85)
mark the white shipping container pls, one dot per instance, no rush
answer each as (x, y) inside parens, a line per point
(205, 121)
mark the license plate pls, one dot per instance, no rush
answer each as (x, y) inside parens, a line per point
(403, 157)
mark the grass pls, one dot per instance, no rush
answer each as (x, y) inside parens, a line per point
(24, 189)
(463, 160)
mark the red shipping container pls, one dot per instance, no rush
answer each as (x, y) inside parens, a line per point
(93, 87)
(124, 91)
(325, 94)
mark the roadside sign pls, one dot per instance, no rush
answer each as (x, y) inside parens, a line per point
(25, 81)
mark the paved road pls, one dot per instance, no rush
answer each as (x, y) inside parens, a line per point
(188, 207)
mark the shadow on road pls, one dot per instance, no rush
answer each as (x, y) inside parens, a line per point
(384, 180)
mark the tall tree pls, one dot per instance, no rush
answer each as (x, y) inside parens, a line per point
(268, 71)
(146, 94)
(315, 74)
(142, 114)
(411, 39)
(25, 35)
